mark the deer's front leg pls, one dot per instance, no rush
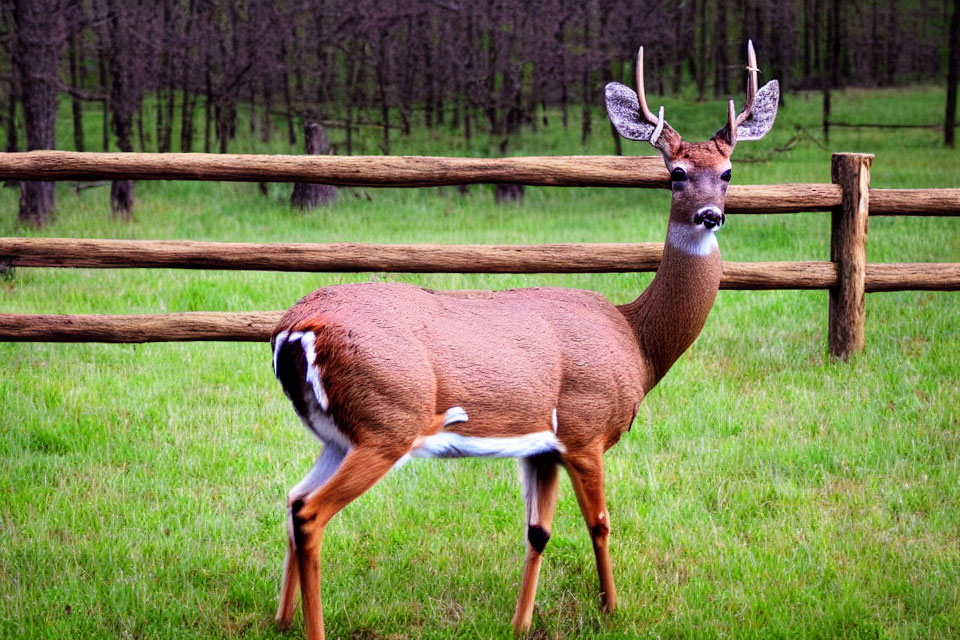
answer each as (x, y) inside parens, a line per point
(586, 475)
(539, 475)
(361, 469)
(327, 462)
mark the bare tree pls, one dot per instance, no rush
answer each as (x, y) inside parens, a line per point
(125, 59)
(308, 195)
(41, 32)
(953, 62)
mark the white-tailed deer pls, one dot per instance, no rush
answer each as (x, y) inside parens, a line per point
(381, 373)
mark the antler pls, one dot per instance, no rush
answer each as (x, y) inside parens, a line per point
(641, 93)
(752, 84)
(735, 121)
(659, 123)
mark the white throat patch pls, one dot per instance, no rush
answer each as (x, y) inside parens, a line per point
(692, 240)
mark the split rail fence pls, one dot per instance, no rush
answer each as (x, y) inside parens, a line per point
(847, 275)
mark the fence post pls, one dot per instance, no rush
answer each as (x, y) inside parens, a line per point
(848, 249)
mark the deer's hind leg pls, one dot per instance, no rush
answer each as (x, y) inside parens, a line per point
(586, 476)
(361, 468)
(326, 464)
(539, 474)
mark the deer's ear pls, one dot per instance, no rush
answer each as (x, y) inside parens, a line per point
(763, 114)
(623, 107)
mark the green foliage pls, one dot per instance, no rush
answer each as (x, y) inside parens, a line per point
(762, 492)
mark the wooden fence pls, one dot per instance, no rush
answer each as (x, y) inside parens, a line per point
(847, 275)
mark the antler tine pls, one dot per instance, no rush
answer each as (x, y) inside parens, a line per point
(732, 120)
(752, 83)
(641, 93)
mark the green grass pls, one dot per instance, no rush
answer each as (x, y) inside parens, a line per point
(762, 492)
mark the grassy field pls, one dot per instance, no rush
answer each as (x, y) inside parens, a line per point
(763, 491)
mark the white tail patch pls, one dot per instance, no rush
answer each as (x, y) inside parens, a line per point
(554, 420)
(454, 415)
(307, 339)
(455, 445)
(277, 343)
(528, 477)
(322, 425)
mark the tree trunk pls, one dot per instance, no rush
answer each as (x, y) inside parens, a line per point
(953, 62)
(700, 52)
(125, 98)
(807, 59)
(307, 195)
(382, 86)
(75, 104)
(507, 193)
(679, 52)
(266, 129)
(189, 98)
(14, 97)
(504, 193)
(105, 88)
(121, 198)
(287, 100)
(41, 33)
(721, 76)
(585, 125)
(817, 37)
(208, 108)
(186, 118)
(893, 44)
(564, 97)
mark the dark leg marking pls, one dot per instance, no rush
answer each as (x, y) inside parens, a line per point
(538, 537)
(600, 530)
(298, 521)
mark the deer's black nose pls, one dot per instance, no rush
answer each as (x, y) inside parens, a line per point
(709, 216)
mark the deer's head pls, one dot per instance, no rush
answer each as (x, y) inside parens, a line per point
(699, 171)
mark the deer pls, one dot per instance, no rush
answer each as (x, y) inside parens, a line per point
(382, 373)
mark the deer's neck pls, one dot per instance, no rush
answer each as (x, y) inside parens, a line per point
(670, 313)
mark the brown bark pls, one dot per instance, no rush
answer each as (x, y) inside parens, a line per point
(258, 326)
(586, 98)
(13, 97)
(915, 202)
(382, 88)
(953, 70)
(121, 198)
(506, 193)
(848, 249)
(76, 106)
(40, 36)
(403, 171)
(170, 327)
(307, 195)
(721, 76)
(352, 257)
(125, 97)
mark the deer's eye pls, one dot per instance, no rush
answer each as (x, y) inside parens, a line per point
(725, 176)
(678, 175)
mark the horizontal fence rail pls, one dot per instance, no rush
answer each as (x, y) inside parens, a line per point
(401, 171)
(439, 258)
(915, 202)
(396, 258)
(255, 326)
(847, 276)
(429, 171)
